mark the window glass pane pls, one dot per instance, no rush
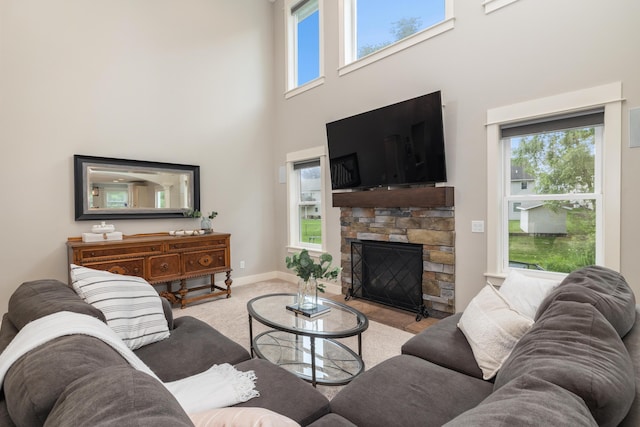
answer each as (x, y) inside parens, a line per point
(309, 211)
(558, 162)
(554, 235)
(308, 42)
(117, 199)
(380, 23)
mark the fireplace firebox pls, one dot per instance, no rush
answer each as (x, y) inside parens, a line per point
(388, 273)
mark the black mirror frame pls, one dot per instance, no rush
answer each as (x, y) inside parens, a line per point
(80, 190)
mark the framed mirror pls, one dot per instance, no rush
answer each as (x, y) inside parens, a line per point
(107, 188)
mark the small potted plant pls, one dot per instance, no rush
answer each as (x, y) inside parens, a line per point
(308, 272)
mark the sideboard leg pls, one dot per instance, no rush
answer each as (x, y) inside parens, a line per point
(228, 282)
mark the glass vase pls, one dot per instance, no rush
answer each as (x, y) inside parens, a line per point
(307, 294)
(205, 223)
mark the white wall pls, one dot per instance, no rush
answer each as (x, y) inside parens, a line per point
(186, 81)
(527, 50)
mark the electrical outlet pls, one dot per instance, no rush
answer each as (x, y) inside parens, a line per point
(477, 226)
(241, 264)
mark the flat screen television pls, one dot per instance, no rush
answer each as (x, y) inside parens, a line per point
(398, 145)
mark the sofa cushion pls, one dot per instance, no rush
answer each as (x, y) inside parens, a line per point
(573, 346)
(526, 293)
(492, 328)
(444, 344)
(241, 417)
(194, 347)
(117, 396)
(527, 401)
(34, 382)
(132, 306)
(284, 393)
(39, 298)
(632, 343)
(426, 394)
(601, 287)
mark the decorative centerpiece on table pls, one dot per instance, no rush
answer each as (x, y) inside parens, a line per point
(308, 272)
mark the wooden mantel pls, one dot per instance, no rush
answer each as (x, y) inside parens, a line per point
(419, 197)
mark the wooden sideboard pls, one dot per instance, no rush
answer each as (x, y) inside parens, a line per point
(161, 258)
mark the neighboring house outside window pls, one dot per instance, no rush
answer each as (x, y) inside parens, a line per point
(567, 148)
(374, 29)
(306, 183)
(304, 45)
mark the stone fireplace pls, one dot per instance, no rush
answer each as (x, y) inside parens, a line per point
(423, 216)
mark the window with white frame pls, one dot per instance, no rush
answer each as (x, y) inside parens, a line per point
(306, 183)
(567, 149)
(374, 29)
(304, 42)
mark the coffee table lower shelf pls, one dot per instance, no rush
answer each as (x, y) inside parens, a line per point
(317, 360)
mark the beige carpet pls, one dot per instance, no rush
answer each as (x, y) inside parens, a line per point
(230, 317)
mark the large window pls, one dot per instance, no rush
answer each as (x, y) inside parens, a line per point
(374, 29)
(304, 43)
(554, 182)
(306, 194)
(552, 226)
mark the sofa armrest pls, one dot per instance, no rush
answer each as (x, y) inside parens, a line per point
(445, 345)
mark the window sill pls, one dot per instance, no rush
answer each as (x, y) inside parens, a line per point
(493, 5)
(315, 252)
(305, 87)
(419, 37)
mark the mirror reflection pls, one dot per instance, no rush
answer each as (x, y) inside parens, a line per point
(110, 188)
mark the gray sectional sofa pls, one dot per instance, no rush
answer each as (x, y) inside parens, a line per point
(578, 365)
(79, 380)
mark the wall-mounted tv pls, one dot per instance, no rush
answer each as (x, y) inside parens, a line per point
(398, 145)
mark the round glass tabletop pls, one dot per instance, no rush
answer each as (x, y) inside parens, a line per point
(339, 322)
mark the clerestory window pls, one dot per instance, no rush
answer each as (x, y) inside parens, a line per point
(374, 29)
(304, 44)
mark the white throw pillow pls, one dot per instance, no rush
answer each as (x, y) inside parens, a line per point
(526, 293)
(492, 328)
(241, 417)
(132, 306)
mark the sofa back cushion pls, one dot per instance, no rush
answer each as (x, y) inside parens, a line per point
(573, 346)
(604, 289)
(39, 298)
(34, 382)
(117, 396)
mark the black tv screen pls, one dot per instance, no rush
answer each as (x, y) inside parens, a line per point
(397, 145)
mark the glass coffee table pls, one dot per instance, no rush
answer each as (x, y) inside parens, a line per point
(307, 346)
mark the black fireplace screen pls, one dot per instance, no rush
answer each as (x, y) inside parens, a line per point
(388, 273)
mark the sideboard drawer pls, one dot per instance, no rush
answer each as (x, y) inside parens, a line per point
(164, 267)
(181, 244)
(120, 250)
(127, 267)
(204, 260)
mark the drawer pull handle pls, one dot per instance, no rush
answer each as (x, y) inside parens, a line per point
(164, 266)
(118, 270)
(205, 261)
(92, 254)
(153, 248)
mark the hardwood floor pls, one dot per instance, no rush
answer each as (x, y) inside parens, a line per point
(386, 315)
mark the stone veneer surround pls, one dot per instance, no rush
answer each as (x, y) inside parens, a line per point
(433, 228)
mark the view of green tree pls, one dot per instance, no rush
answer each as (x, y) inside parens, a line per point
(400, 29)
(561, 162)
